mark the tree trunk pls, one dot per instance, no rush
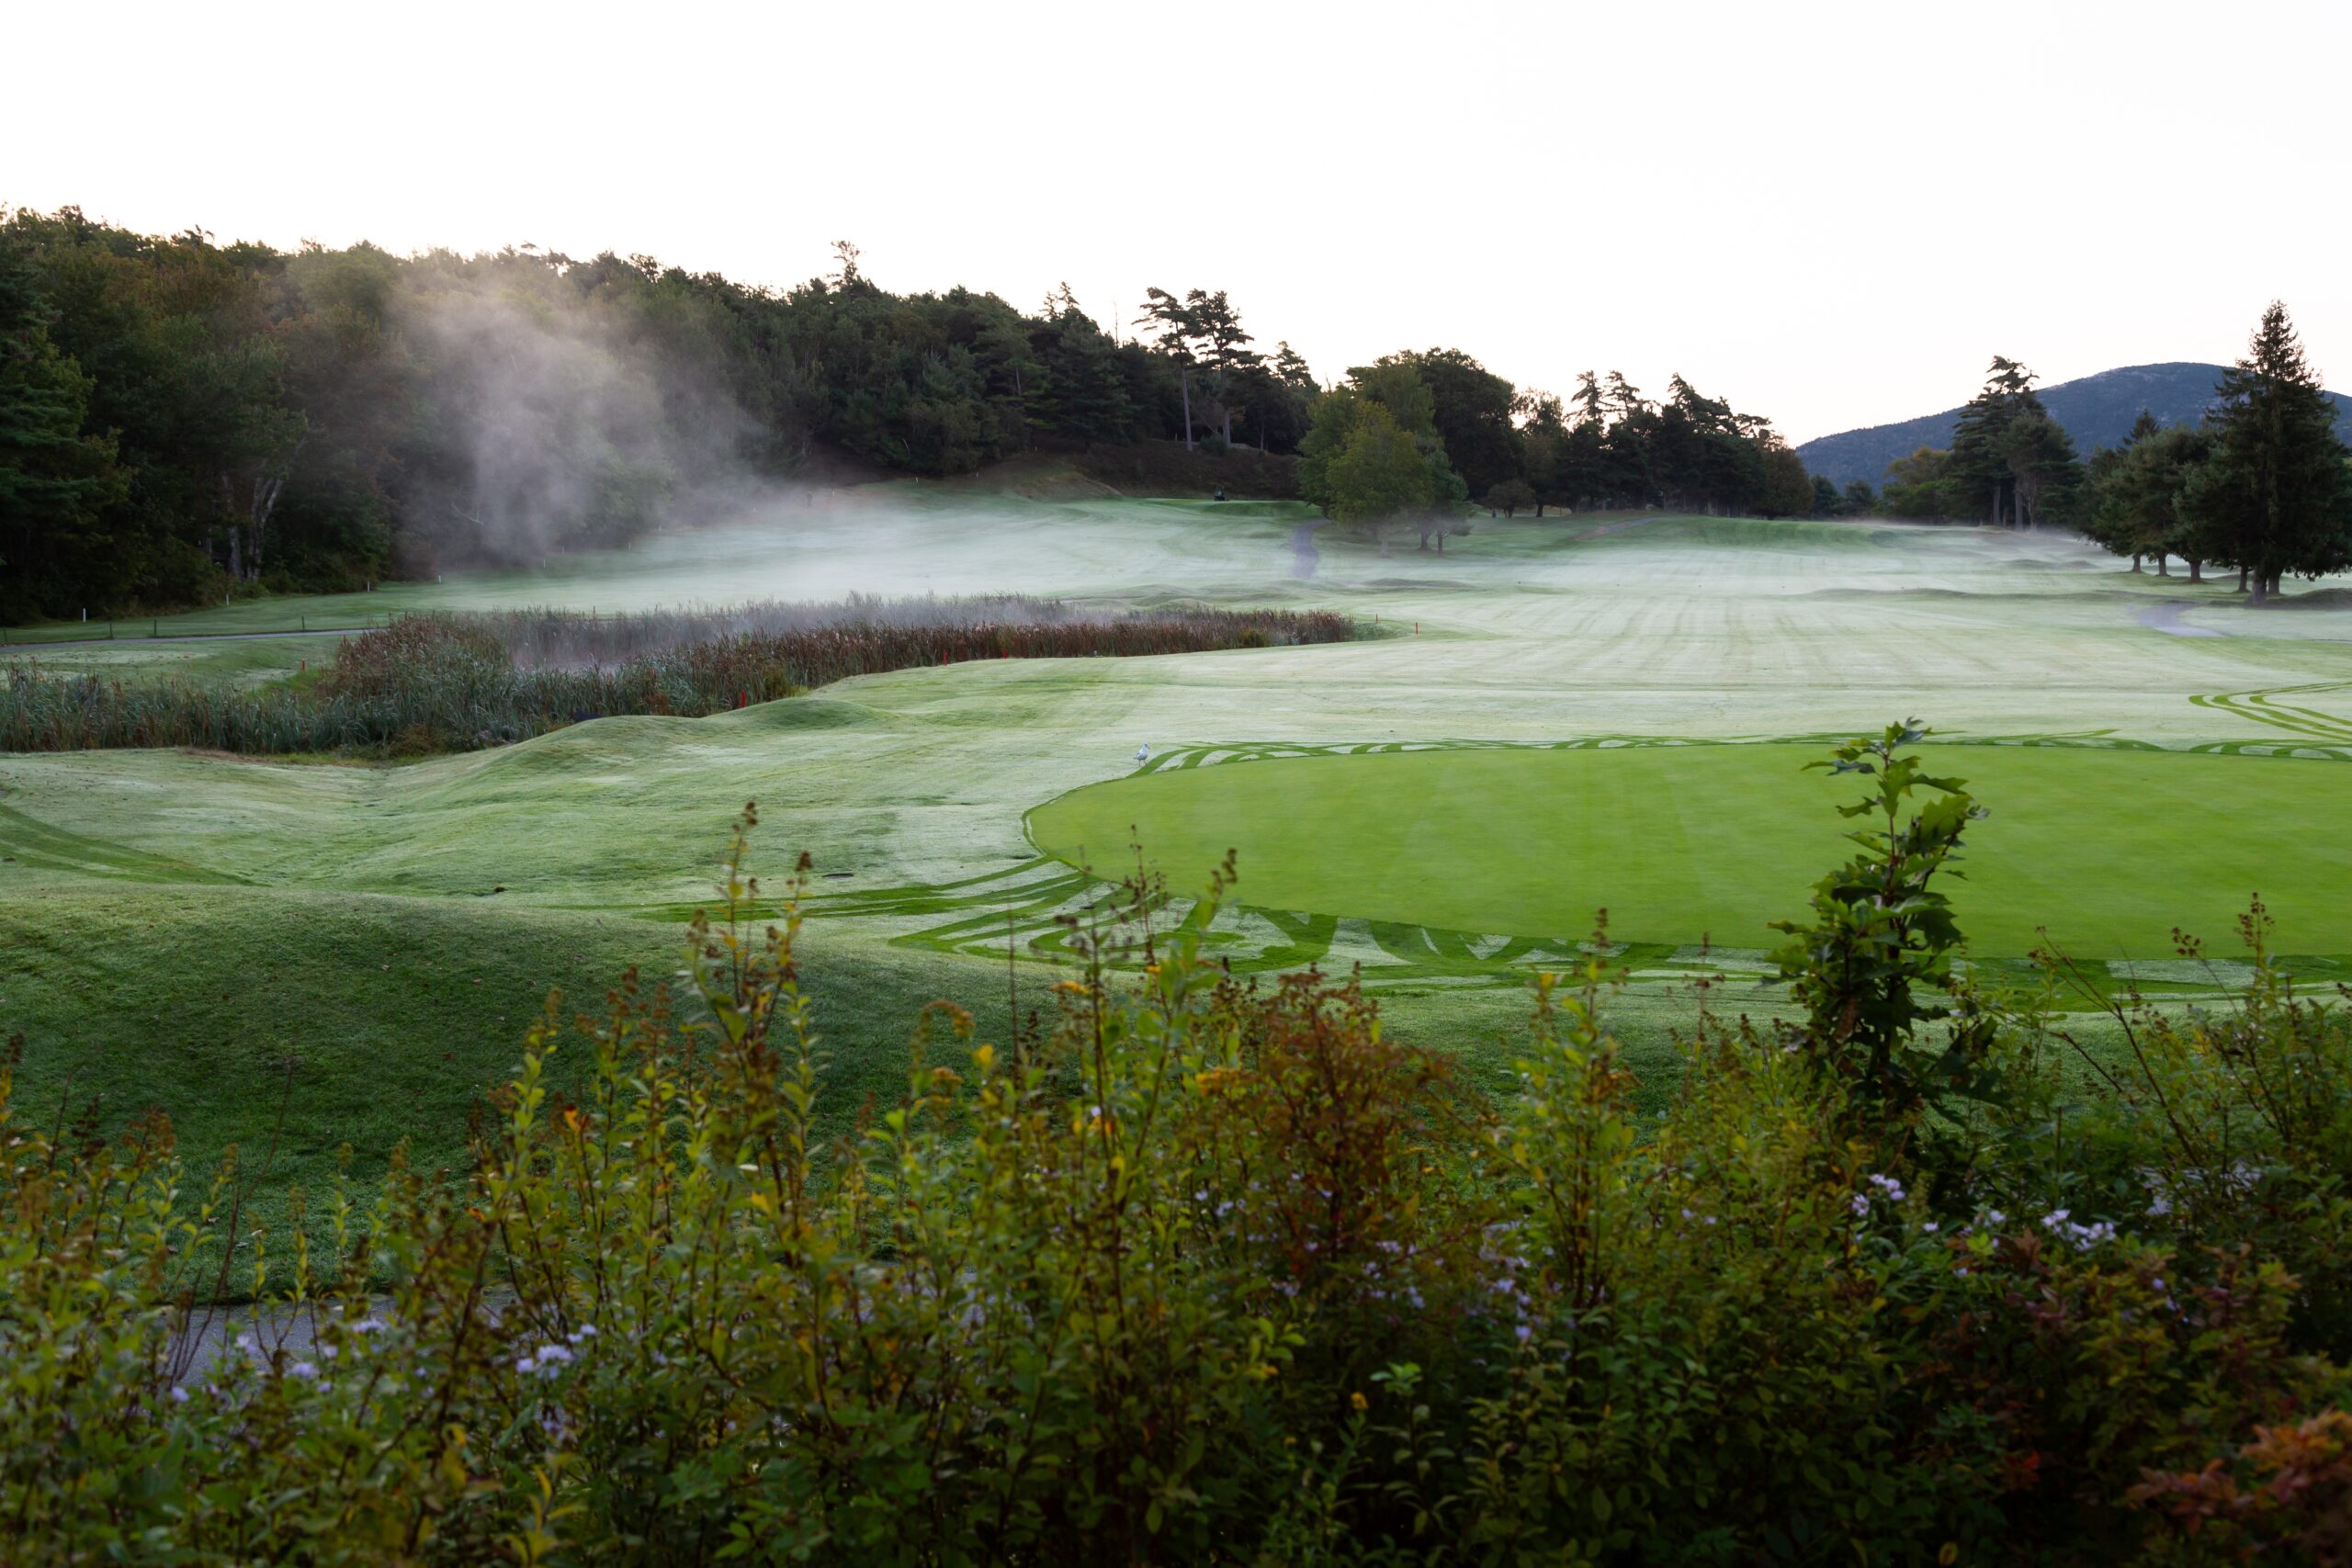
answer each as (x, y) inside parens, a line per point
(1184, 380)
(2195, 569)
(2135, 561)
(265, 503)
(249, 523)
(2163, 564)
(2240, 578)
(2261, 588)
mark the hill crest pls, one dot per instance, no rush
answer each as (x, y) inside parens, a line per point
(2097, 410)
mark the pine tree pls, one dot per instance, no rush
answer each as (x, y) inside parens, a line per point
(1178, 329)
(2276, 491)
(2135, 497)
(1624, 399)
(1291, 370)
(1226, 355)
(55, 481)
(1591, 406)
(2008, 456)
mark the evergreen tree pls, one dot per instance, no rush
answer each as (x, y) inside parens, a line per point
(1580, 470)
(1786, 490)
(1176, 329)
(2136, 497)
(56, 479)
(1224, 353)
(1291, 370)
(1622, 400)
(1543, 447)
(2275, 493)
(1591, 404)
(1088, 399)
(2009, 458)
(1922, 489)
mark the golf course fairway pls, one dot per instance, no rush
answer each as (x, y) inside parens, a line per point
(2109, 849)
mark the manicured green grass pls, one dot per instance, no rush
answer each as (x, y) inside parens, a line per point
(2108, 849)
(236, 660)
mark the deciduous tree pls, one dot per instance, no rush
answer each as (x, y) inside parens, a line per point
(1381, 474)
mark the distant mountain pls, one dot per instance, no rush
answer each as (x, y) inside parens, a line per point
(2097, 410)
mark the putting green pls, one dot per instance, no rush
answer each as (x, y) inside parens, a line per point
(2109, 849)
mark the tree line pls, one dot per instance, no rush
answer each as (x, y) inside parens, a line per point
(181, 418)
(1424, 437)
(2261, 484)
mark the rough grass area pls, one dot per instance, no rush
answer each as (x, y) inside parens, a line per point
(1164, 467)
(292, 1023)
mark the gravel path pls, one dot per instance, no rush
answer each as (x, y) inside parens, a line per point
(1304, 555)
(2166, 617)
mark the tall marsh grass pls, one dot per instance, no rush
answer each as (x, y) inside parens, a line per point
(438, 682)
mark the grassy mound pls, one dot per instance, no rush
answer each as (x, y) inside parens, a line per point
(317, 1020)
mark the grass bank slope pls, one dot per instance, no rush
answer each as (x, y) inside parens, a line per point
(290, 1022)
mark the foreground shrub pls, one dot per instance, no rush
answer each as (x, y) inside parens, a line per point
(1198, 1271)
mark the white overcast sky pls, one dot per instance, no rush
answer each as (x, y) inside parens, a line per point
(1831, 214)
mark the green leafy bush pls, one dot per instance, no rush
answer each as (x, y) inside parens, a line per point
(1194, 1270)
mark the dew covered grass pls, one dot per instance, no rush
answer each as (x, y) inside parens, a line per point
(139, 888)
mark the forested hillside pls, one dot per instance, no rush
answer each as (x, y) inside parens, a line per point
(2095, 410)
(182, 420)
